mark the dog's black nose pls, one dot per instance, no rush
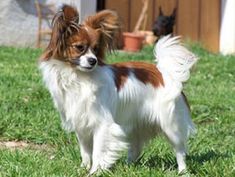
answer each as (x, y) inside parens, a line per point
(92, 61)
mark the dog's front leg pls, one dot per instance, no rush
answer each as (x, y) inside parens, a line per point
(99, 150)
(86, 146)
(109, 140)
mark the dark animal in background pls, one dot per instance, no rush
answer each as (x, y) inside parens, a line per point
(163, 25)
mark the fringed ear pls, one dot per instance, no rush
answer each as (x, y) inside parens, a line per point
(173, 15)
(70, 14)
(62, 25)
(107, 23)
(160, 11)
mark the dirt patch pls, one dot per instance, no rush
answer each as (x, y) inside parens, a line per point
(22, 145)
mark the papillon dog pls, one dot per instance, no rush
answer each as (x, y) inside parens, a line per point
(115, 107)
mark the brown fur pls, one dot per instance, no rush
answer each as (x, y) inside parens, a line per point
(107, 25)
(64, 24)
(144, 72)
(98, 32)
(121, 74)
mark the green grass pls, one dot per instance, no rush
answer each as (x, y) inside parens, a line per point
(27, 114)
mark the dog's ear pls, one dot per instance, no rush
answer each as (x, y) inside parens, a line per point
(63, 24)
(173, 15)
(70, 14)
(107, 24)
(160, 11)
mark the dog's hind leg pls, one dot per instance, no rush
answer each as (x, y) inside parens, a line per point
(134, 150)
(178, 128)
(179, 146)
(137, 141)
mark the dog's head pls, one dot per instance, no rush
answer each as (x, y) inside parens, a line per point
(163, 25)
(83, 45)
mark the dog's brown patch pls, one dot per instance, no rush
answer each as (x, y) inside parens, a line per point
(121, 74)
(144, 72)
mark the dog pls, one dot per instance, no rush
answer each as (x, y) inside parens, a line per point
(115, 107)
(163, 25)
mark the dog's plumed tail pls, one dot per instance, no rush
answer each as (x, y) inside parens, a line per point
(174, 58)
(174, 61)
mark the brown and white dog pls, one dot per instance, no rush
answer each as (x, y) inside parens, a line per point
(118, 106)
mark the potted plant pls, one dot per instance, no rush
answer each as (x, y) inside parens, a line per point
(133, 40)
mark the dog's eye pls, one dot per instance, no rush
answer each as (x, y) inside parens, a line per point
(80, 48)
(95, 49)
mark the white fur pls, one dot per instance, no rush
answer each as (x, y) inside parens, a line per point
(174, 62)
(84, 64)
(108, 121)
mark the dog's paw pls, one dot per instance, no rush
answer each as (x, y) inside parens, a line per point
(93, 171)
(182, 172)
(85, 165)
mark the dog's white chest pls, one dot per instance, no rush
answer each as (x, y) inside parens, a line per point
(74, 97)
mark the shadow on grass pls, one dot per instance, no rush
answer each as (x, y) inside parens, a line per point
(207, 156)
(169, 160)
(157, 162)
(199, 159)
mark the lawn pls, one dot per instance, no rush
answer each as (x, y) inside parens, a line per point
(27, 115)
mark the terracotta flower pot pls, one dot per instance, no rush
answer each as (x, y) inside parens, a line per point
(132, 41)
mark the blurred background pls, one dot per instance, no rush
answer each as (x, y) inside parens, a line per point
(26, 23)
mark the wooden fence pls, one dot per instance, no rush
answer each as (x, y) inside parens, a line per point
(198, 20)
